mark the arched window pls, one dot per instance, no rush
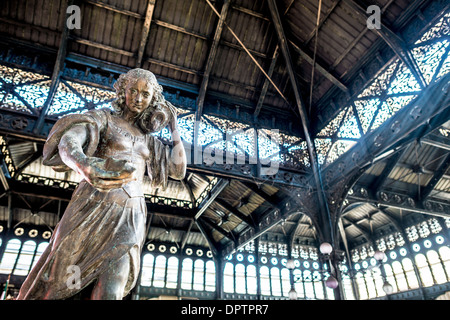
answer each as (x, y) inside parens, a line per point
(25, 258)
(411, 277)
(265, 280)
(346, 285)
(251, 279)
(399, 276)
(299, 285)
(10, 256)
(390, 276)
(199, 275)
(370, 284)
(228, 278)
(378, 280)
(436, 266)
(361, 286)
(424, 270)
(444, 253)
(159, 277)
(285, 281)
(309, 288)
(186, 274)
(147, 270)
(275, 281)
(210, 277)
(172, 272)
(318, 285)
(239, 272)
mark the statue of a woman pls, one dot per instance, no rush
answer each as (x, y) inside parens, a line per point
(99, 239)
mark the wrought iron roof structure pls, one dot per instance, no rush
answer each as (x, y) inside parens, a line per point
(313, 125)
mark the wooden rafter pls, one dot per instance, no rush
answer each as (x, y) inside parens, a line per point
(145, 31)
(265, 86)
(211, 58)
(321, 69)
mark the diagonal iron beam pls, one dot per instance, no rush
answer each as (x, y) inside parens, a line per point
(323, 207)
(211, 58)
(430, 110)
(437, 176)
(247, 219)
(391, 163)
(322, 70)
(265, 86)
(214, 193)
(145, 31)
(57, 70)
(212, 245)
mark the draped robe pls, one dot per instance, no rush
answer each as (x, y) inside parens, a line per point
(97, 228)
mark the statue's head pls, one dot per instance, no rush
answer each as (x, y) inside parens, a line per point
(154, 111)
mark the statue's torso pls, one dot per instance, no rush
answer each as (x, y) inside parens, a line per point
(119, 143)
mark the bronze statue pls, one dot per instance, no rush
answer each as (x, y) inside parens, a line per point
(102, 231)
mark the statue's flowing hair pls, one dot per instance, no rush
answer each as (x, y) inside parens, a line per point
(157, 102)
(134, 74)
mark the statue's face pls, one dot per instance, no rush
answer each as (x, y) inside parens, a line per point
(138, 95)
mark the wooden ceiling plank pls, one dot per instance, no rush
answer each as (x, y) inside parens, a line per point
(211, 58)
(145, 31)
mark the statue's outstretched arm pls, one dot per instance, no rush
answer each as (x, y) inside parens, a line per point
(103, 174)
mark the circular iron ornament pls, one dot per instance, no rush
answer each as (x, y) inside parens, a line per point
(228, 167)
(208, 161)
(396, 126)
(329, 176)
(46, 234)
(427, 205)
(287, 177)
(162, 248)
(411, 202)
(397, 199)
(341, 166)
(245, 169)
(151, 247)
(19, 231)
(173, 249)
(364, 192)
(355, 156)
(439, 207)
(199, 252)
(416, 112)
(189, 251)
(1, 228)
(19, 123)
(209, 254)
(378, 141)
(33, 233)
(384, 196)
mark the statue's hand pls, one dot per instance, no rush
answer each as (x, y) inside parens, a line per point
(106, 174)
